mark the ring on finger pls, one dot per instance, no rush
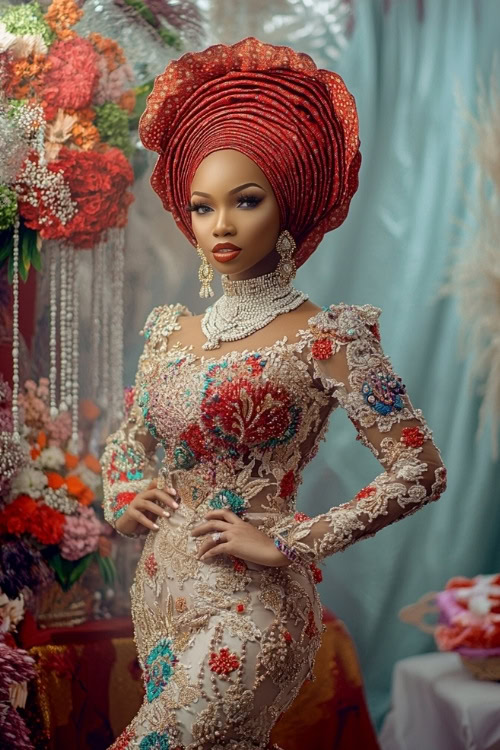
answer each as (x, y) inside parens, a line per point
(216, 536)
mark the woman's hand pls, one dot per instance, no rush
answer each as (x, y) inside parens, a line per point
(150, 502)
(238, 538)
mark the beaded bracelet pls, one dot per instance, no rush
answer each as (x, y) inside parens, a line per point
(286, 550)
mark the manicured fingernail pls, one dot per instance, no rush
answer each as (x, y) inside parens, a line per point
(166, 514)
(176, 505)
(155, 526)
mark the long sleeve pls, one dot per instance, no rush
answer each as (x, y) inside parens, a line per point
(129, 459)
(348, 361)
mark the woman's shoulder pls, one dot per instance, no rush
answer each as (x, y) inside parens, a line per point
(163, 319)
(344, 321)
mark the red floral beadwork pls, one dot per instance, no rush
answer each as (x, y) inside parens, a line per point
(413, 437)
(311, 630)
(122, 499)
(223, 662)
(196, 441)
(238, 565)
(123, 740)
(374, 328)
(365, 492)
(301, 517)
(247, 413)
(287, 484)
(322, 348)
(287, 636)
(151, 565)
(240, 607)
(317, 573)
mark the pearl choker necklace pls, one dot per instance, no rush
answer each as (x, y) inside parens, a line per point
(246, 306)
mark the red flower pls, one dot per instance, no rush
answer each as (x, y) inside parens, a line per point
(47, 525)
(322, 349)
(412, 437)
(317, 573)
(71, 78)
(301, 517)
(246, 413)
(98, 183)
(223, 662)
(151, 565)
(15, 518)
(365, 492)
(287, 484)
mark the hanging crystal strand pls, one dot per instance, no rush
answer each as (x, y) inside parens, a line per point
(75, 354)
(15, 333)
(63, 406)
(95, 322)
(53, 331)
(70, 284)
(105, 336)
(98, 327)
(116, 343)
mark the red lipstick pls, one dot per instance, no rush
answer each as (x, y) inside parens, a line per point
(225, 251)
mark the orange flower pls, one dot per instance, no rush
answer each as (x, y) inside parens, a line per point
(92, 463)
(71, 460)
(127, 101)
(85, 135)
(87, 497)
(42, 439)
(55, 480)
(34, 453)
(61, 15)
(89, 410)
(26, 74)
(75, 485)
(109, 49)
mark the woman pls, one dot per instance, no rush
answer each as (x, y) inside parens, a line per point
(258, 158)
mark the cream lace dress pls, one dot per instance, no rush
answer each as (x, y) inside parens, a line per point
(225, 645)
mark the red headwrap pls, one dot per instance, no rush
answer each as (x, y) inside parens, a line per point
(297, 123)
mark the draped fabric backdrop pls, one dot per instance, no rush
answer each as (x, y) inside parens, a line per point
(394, 251)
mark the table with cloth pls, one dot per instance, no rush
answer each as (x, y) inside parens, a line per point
(89, 686)
(438, 705)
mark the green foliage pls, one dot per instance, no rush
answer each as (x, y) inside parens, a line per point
(112, 124)
(68, 572)
(8, 207)
(29, 251)
(27, 19)
(169, 36)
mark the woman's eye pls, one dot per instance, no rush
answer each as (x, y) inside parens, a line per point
(248, 201)
(198, 208)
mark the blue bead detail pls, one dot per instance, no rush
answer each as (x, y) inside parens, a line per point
(184, 456)
(230, 500)
(159, 668)
(155, 741)
(383, 393)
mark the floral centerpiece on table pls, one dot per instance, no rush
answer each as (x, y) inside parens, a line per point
(51, 501)
(469, 621)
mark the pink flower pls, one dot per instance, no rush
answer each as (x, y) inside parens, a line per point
(112, 83)
(81, 534)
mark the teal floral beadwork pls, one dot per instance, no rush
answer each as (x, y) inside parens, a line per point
(383, 392)
(230, 500)
(144, 403)
(184, 457)
(155, 741)
(159, 668)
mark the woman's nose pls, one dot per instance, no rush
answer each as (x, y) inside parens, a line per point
(223, 226)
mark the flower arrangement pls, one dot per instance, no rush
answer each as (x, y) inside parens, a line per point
(468, 624)
(66, 103)
(50, 502)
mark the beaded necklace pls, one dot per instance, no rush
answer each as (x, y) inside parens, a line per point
(246, 306)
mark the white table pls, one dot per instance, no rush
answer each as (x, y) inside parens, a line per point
(438, 705)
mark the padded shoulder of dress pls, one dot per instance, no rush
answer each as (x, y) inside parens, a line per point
(162, 320)
(344, 321)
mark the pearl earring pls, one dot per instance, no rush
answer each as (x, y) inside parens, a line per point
(205, 274)
(286, 247)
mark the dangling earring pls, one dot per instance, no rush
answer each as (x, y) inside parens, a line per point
(205, 275)
(286, 247)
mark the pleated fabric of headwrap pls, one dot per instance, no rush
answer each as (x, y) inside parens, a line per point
(298, 123)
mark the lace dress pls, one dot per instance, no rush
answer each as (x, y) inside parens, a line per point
(225, 644)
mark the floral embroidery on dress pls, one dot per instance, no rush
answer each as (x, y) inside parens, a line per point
(218, 639)
(159, 668)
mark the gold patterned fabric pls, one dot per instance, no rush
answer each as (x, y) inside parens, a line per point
(225, 644)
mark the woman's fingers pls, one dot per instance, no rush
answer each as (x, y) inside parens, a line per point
(154, 508)
(163, 497)
(223, 514)
(206, 528)
(144, 520)
(223, 548)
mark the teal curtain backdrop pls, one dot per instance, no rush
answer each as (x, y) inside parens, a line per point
(394, 251)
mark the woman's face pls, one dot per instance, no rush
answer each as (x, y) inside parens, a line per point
(233, 203)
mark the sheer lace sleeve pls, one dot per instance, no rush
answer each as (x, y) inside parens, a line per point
(129, 460)
(348, 360)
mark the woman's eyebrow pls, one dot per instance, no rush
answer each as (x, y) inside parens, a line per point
(234, 190)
